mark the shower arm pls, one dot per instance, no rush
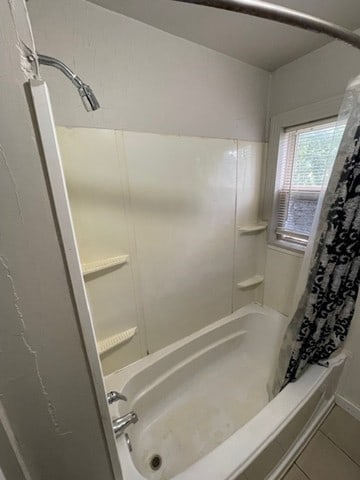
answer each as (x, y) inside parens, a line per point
(278, 13)
(87, 95)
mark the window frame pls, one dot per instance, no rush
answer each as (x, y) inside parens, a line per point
(316, 112)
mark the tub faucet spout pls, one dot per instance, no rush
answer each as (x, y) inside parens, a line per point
(121, 424)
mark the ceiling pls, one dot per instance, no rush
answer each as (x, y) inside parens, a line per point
(260, 42)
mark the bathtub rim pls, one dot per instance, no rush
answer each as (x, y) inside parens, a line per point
(277, 414)
(225, 463)
(124, 374)
(311, 381)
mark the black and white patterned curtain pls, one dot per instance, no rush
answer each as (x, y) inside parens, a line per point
(322, 319)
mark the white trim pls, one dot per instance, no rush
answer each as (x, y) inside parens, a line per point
(16, 457)
(308, 113)
(351, 408)
(52, 158)
(287, 251)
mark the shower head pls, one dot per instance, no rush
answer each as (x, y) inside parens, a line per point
(87, 95)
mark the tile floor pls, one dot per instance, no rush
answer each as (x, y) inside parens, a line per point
(333, 453)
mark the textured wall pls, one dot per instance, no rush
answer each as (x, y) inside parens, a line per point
(49, 416)
(146, 80)
(320, 75)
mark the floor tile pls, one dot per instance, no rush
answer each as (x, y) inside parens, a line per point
(322, 460)
(295, 474)
(344, 431)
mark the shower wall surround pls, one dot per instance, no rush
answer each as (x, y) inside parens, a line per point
(174, 205)
(163, 200)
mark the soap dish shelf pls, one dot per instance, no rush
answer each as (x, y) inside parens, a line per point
(252, 229)
(115, 341)
(104, 264)
(251, 282)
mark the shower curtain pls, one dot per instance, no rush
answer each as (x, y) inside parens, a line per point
(324, 312)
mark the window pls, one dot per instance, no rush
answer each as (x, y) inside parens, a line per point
(306, 154)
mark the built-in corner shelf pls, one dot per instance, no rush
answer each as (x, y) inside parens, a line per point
(115, 340)
(104, 264)
(251, 282)
(252, 229)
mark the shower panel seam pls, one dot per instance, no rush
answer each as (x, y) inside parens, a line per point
(235, 241)
(134, 263)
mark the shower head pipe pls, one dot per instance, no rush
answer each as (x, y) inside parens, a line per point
(87, 95)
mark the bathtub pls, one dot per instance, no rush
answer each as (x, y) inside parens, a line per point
(203, 407)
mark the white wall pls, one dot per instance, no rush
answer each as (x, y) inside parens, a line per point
(173, 205)
(97, 193)
(317, 76)
(183, 194)
(150, 81)
(146, 80)
(49, 415)
(250, 249)
(281, 275)
(320, 75)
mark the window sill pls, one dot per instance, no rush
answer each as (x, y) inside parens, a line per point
(287, 247)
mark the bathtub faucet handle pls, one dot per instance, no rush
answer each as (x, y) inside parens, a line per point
(114, 396)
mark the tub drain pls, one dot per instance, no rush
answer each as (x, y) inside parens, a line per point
(155, 462)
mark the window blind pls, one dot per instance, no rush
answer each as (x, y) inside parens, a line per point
(306, 156)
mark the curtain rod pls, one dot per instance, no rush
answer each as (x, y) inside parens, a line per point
(278, 13)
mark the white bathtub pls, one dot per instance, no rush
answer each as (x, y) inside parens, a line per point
(203, 406)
